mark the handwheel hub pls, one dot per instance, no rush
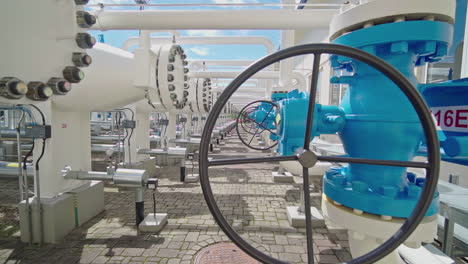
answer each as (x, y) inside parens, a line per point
(307, 158)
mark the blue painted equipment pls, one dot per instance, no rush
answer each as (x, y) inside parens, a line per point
(449, 104)
(380, 121)
(264, 114)
(293, 114)
(375, 119)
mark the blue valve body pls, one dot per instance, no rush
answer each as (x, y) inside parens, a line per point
(380, 121)
(328, 119)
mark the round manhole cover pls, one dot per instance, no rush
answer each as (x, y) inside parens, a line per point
(223, 253)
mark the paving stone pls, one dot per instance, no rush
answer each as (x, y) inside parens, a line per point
(246, 194)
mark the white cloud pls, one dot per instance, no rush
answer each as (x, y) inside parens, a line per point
(200, 51)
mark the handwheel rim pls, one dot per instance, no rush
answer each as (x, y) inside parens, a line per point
(433, 155)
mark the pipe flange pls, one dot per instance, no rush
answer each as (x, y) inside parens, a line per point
(382, 11)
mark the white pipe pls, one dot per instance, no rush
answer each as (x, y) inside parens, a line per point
(222, 62)
(233, 74)
(286, 66)
(212, 19)
(241, 40)
(108, 82)
(255, 90)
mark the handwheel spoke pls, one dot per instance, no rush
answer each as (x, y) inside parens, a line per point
(264, 127)
(256, 131)
(396, 163)
(312, 96)
(305, 171)
(221, 162)
(308, 215)
(253, 135)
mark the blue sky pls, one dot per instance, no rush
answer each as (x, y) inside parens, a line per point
(200, 52)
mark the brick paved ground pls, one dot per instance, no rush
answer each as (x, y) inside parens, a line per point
(246, 194)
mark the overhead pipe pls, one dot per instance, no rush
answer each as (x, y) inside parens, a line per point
(221, 62)
(233, 74)
(203, 19)
(216, 40)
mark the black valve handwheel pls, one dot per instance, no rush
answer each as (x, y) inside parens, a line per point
(246, 123)
(253, 127)
(431, 166)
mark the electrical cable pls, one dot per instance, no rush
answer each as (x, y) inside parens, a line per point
(27, 156)
(128, 143)
(154, 202)
(40, 112)
(129, 109)
(126, 131)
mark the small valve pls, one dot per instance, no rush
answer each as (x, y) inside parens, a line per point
(59, 86)
(152, 183)
(12, 88)
(73, 74)
(85, 19)
(81, 59)
(85, 40)
(39, 91)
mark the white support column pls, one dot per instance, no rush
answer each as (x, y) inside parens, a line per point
(188, 125)
(199, 124)
(171, 128)
(70, 145)
(286, 66)
(325, 73)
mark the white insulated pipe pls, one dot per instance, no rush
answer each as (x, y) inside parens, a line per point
(233, 74)
(212, 19)
(221, 62)
(108, 82)
(216, 40)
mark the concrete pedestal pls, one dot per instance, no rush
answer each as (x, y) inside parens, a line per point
(153, 223)
(298, 220)
(285, 177)
(216, 150)
(62, 213)
(192, 178)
